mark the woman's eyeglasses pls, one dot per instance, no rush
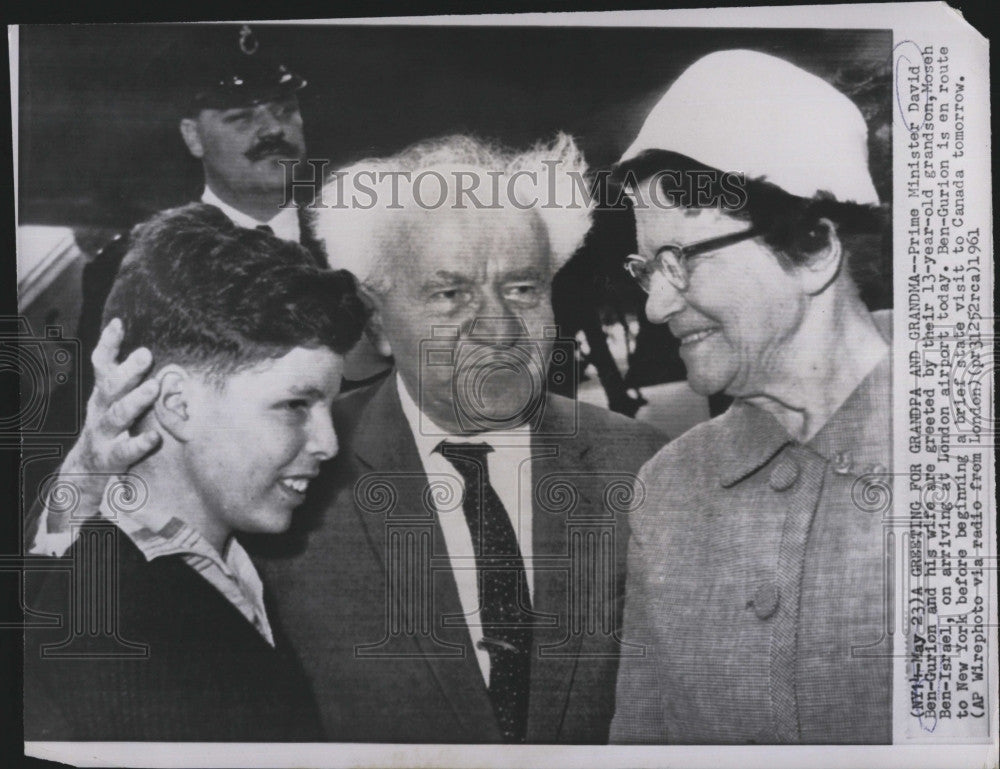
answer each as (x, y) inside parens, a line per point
(672, 259)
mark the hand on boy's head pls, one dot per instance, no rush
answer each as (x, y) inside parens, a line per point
(113, 379)
(120, 397)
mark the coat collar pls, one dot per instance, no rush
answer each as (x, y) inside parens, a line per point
(753, 437)
(858, 429)
(382, 437)
(284, 224)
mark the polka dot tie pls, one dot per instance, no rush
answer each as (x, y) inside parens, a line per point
(504, 601)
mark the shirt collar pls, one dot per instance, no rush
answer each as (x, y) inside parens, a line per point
(284, 224)
(158, 534)
(427, 440)
(857, 435)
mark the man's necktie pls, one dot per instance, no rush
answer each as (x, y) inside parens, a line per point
(504, 601)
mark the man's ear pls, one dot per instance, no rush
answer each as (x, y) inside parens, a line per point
(172, 406)
(192, 138)
(378, 337)
(824, 264)
(374, 330)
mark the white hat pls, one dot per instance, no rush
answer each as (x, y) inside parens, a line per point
(748, 112)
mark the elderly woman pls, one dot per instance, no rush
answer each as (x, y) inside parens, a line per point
(755, 583)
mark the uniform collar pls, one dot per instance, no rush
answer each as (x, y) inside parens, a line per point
(856, 437)
(284, 224)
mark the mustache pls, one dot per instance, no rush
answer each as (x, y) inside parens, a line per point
(273, 146)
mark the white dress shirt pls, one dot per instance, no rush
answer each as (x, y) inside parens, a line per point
(284, 224)
(509, 467)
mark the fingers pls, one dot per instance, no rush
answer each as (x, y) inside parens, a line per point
(112, 380)
(104, 354)
(131, 372)
(129, 451)
(125, 411)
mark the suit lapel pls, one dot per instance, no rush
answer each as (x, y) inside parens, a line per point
(386, 455)
(307, 236)
(389, 501)
(559, 461)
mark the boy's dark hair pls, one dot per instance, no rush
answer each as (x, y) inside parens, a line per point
(198, 290)
(789, 224)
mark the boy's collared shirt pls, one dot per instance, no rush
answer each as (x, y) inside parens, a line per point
(159, 534)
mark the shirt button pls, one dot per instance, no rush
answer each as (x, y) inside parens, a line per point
(842, 462)
(784, 475)
(765, 600)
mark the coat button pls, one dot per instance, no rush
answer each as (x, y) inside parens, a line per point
(842, 462)
(764, 601)
(784, 475)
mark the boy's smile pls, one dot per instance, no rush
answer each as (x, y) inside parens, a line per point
(258, 439)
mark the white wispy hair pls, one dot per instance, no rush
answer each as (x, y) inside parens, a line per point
(363, 205)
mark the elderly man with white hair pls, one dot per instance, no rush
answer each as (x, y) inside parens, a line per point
(457, 574)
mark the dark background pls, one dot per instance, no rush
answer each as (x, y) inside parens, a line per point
(99, 145)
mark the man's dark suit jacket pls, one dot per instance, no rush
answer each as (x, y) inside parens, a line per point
(364, 588)
(205, 675)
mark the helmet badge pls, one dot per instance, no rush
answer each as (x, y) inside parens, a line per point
(248, 41)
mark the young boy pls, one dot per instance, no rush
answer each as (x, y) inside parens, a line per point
(247, 337)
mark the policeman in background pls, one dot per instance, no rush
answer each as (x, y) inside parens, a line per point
(239, 116)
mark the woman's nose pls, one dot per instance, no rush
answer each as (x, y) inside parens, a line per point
(664, 300)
